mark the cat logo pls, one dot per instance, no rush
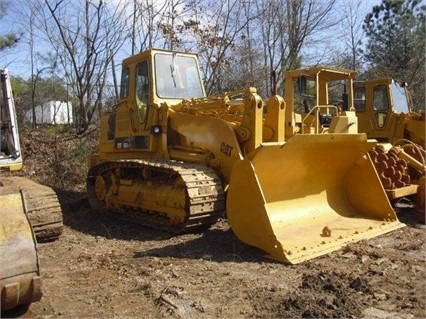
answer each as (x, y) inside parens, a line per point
(226, 149)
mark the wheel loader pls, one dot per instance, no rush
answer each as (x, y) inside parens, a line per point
(172, 158)
(29, 212)
(383, 112)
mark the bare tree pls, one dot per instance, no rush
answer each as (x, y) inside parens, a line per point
(39, 63)
(271, 17)
(144, 23)
(36, 59)
(280, 30)
(239, 42)
(86, 42)
(306, 23)
(214, 28)
(172, 23)
(350, 34)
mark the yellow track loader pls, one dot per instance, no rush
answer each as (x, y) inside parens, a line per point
(383, 111)
(28, 212)
(171, 157)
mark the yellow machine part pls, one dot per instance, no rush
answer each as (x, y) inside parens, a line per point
(20, 282)
(415, 130)
(309, 196)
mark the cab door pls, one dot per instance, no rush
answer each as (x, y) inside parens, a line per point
(373, 109)
(381, 107)
(141, 101)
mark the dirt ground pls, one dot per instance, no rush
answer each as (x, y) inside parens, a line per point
(104, 268)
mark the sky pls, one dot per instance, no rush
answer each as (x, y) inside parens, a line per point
(17, 58)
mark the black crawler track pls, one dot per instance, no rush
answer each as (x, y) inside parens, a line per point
(43, 207)
(201, 203)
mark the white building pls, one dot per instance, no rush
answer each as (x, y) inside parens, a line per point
(53, 112)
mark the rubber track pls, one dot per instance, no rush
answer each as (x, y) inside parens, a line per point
(43, 208)
(202, 210)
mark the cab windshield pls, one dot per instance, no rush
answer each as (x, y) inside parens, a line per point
(399, 97)
(177, 76)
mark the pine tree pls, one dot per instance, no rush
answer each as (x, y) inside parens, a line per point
(9, 39)
(396, 42)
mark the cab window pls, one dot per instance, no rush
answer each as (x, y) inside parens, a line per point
(177, 76)
(124, 84)
(142, 85)
(380, 98)
(359, 100)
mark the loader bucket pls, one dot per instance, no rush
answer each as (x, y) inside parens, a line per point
(308, 197)
(20, 282)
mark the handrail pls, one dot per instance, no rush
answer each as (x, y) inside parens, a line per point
(316, 109)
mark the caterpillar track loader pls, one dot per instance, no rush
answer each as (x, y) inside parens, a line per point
(28, 212)
(172, 158)
(383, 112)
